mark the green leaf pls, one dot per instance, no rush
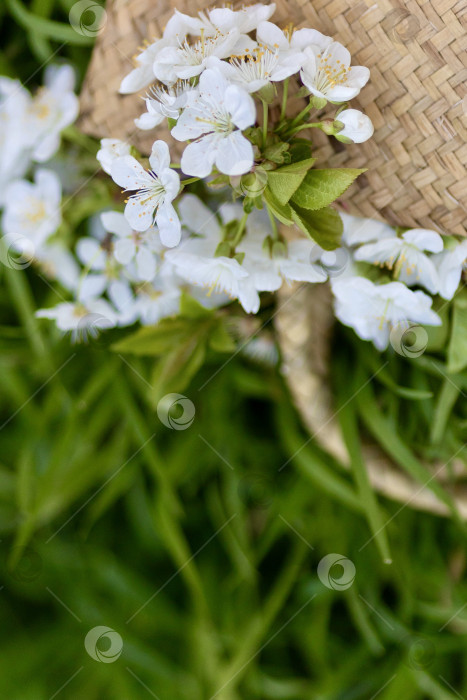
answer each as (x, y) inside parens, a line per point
(284, 181)
(193, 321)
(352, 437)
(255, 135)
(276, 151)
(155, 340)
(447, 397)
(298, 167)
(457, 350)
(384, 432)
(57, 31)
(438, 335)
(282, 212)
(283, 185)
(322, 187)
(324, 226)
(300, 149)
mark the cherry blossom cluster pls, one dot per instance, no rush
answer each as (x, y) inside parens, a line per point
(245, 210)
(377, 274)
(209, 78)
(31, 126)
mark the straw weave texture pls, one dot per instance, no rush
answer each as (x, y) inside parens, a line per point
(417, 97)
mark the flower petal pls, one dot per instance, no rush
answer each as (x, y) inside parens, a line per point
(269, 33)
(198, 158)
(169, 225)
(241, 106)
(115, 222)
(145, 265)
(234, 154)
(160, 156)
(128, 173)
(424, 239)
(139, 211)
(124, 250)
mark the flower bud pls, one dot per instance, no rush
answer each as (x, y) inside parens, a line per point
(328, 126)
(353, 126)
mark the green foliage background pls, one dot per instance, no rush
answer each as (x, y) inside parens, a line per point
(199, 547)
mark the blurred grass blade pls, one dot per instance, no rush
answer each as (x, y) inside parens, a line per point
(380, 428)
(348, 422)
(446, 399)
(309, 463)
(58, 31)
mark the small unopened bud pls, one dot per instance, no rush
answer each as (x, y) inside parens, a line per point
(327, 125)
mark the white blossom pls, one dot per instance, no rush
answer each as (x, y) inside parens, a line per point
(82, 318)
(374, 310)
(16, 140)
(110, 150)
(195, 260)
(57, 263)
(164, 103)
(130, 246)
(258, 66)
(214, 122)
(155, 191)
(245, 20)
(358, 230)
(406, 256)
(189, 58)
(32, 210)
(290, 40)
(357, 126)
(268, 272)
(159, 299)
(143, 74)
(450, 265)
(101, 268)
(54, 107)
(123, 299)
(327, 73)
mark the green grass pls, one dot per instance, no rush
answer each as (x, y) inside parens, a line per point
(200, 547)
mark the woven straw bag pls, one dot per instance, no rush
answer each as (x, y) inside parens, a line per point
(417, 99)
